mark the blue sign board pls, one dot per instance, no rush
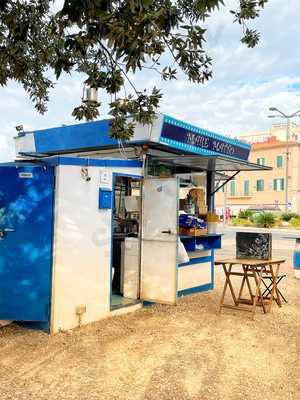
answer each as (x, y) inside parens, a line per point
(205, 140)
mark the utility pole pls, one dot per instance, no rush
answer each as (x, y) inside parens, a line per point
(287, 160)
(225, 206)
(288, 117)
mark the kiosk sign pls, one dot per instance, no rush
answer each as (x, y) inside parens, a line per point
(204, 141)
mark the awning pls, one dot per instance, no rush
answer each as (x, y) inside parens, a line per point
(208, 163)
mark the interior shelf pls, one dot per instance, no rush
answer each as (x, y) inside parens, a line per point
(209, 242)
(197, 253)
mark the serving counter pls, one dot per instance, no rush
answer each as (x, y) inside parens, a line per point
(197, 275)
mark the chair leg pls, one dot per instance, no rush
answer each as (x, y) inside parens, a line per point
(279, 292)
(282, 296)
(268, 288)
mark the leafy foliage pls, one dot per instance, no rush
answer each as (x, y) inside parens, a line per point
(288, 216)
(241, 222)
(265, 220)
(108, 41)
(295, 222)
(245, 214)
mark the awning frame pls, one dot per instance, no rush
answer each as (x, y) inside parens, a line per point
(177, 160)
(224, 183)
(241, 165)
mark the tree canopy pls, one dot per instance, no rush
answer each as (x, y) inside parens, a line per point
(108, 41)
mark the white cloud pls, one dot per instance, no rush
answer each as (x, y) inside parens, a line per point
(246, 82)
(7, 144)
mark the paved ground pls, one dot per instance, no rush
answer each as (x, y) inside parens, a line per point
(184, 352)
(277, 234)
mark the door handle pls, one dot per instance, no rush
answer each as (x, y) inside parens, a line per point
(169, 232)
(3, 232)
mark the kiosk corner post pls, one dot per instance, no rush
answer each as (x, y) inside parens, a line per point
(210, 188)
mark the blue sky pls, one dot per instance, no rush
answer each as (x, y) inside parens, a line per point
(245, 84)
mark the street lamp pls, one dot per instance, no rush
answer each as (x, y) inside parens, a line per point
(288, 117)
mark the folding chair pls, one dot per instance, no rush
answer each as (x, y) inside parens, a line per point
(269, 286)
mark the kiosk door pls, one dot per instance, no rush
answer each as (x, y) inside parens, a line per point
(159, 240)
(26, 219)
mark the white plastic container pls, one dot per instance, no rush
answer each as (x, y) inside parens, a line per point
(212, 227)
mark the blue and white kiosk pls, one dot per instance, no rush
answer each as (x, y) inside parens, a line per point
(89, 226)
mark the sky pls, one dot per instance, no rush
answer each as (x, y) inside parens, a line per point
(245, 83)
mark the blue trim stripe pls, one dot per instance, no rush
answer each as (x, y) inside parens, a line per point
(196, 289)
(92, 162)
(187, 147)
(213, 268)
(79, 161)
(196, 260)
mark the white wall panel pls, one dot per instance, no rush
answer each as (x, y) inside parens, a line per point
(194, 275)
(25, 143)
(158, 273)
(82, 247)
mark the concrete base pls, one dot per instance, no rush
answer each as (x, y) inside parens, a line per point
(126, 310)
(297, 273)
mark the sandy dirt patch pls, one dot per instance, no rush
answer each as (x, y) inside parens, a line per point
(184, 352)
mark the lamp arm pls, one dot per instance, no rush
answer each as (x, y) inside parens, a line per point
(283, 114)
(296, 114)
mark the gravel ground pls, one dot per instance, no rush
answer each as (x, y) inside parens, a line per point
(163, 352)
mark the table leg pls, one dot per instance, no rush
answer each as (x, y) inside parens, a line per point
(274, 287)
(242, 286)
(248, 283)
(258, 290)
(227, 283)
(225, 287)
(231, 287)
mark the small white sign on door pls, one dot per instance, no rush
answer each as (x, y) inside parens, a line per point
(104, 178)
(25, 175)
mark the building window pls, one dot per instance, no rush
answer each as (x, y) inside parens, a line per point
(261, 161)
(278, 184)
(260, 185)
(232, 188)
(246, 188)
(279, 161)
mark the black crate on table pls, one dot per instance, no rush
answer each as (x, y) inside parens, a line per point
(251, 245)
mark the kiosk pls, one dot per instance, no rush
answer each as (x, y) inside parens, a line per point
(89, 226)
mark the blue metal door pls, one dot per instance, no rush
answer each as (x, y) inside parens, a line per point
(26, 220)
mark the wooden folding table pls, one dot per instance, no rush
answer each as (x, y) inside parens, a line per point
(250, 269)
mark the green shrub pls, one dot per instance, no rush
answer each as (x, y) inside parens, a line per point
(288, 216)
(241, 222)
(295, 222)
(245, 214)
(265, 220)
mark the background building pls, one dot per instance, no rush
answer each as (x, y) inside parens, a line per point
(276, 130)
(266, 189)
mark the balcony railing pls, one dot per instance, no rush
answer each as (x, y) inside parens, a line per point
(239, 194)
